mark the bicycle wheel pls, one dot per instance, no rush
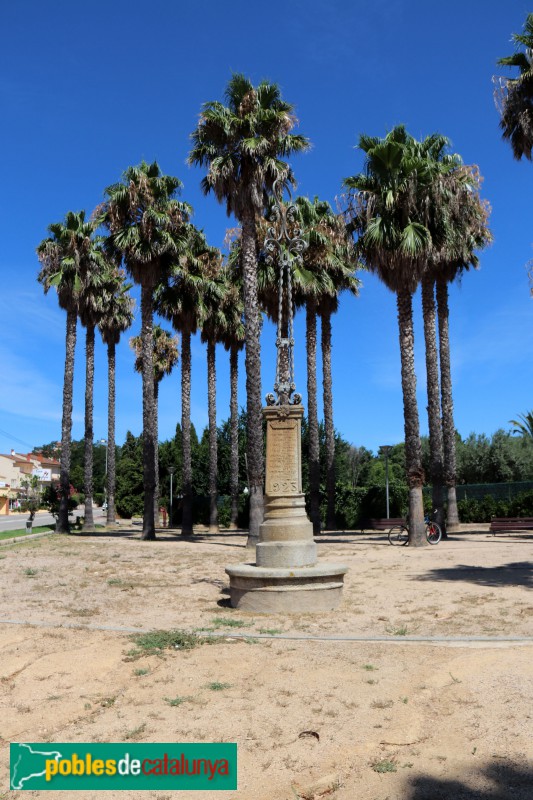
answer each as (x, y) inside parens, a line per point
(433, 533)
(398, 535)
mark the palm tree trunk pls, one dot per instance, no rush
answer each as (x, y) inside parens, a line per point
(312, 417)
(448, 425)
(186, 521)
(413, 449)
(213, 450)
(62, 525)
(254, 416)
(149, 439)
(88, 524)
(234, 436)
(111, 467)
(433, 390)
(156, 426)
(331, 523)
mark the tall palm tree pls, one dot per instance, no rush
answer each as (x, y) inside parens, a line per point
(147, 229)
(165, 358)
(68, 258)
(181, 300)
(118, 318)
(393, 242)
(91, 311)
(466, 231)
(213, 325)
(329, 259)
(242, 144)
(514, 96)
(233, 340)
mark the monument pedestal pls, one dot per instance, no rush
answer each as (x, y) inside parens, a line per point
(285, 577)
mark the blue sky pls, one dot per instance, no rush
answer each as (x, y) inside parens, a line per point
(88, 90)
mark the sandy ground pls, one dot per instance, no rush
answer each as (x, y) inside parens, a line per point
(446, 719)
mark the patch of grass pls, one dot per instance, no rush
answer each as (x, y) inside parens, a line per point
(270, 631)
(371, 681)
(217, 686)
(87, 706)
(404, 700)
(251, 640)
(229, 622)
(108, 702)
(369, 667)
(23, 532)
(175, 701)
(135, 733)
(155, 643)
(30, 573)
(385, 765)
(139, 672)
(401, 631)
(114, 582)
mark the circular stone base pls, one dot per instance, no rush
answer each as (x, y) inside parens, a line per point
(301, 590)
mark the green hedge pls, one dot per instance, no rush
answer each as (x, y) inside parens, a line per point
(483, 510)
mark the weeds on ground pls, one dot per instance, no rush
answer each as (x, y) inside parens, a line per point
(155, 643)
(217, 686)
(385, 765)
(175, 701)
(229, 622)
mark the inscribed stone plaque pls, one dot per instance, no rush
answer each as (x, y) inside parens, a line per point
(283, 458)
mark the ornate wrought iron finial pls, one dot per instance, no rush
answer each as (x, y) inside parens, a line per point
(284, 245)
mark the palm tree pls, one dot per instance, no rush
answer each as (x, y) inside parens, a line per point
(118, 318)
(242, 144)
(393, 242)
(233, 340)
(523, 425)
(147, 228)
(165, 358)
(181, 300)
(68, 258)
(91, 311)
(213, 326)
(329, 259)
(514, 96)
(467, 231)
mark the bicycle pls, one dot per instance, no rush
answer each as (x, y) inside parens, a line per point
(399, 534)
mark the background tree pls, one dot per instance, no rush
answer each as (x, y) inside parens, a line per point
(68, 257)
(523, 426)
(147, 229)
(242, 144)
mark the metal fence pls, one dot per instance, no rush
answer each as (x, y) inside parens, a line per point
(499, 491)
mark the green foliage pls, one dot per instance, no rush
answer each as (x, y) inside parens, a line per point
(50, 500)
(472, 510)
(129, 470)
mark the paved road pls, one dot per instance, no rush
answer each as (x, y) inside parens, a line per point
(13, 522)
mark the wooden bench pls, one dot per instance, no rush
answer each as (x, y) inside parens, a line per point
(509, 524)
(382, 524)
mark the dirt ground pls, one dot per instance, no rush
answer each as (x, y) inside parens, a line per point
(441, 707)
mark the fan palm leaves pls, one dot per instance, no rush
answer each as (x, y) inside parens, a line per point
(242, 144)
(147, 227)
(514, 96)
(68, 258)
(523, 425)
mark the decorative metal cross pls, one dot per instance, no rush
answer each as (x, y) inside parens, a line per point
(284, 245)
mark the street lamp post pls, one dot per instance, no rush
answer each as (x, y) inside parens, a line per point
(385, 449)
(171, 471)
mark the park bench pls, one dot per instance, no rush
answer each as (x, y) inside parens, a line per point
(509, 524)
(382, 524)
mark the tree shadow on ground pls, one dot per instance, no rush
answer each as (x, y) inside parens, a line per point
(500, 781)
(519, 573)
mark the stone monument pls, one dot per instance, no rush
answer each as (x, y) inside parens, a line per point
(285, 577)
